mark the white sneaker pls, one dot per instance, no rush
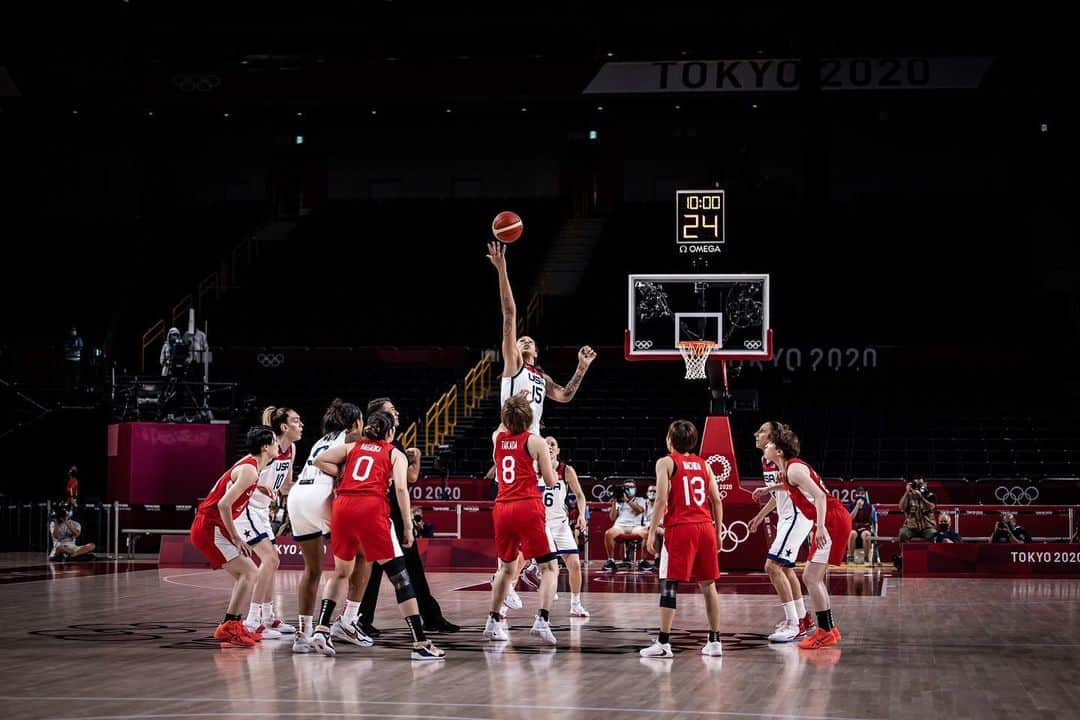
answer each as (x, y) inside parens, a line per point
(350, 633)
(577, 611)
(323, 644)
(282, 627)
(785, 633)
(267, 633)
(512, 600)
(542, 629)
(494, 630)
(302, 644)
(713, 649)
(556, 598)
(531, 576)
(657, 650)
(427, 652)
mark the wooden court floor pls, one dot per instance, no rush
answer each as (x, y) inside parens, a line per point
(128, 640)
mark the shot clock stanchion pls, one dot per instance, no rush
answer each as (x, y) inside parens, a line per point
(704, 319)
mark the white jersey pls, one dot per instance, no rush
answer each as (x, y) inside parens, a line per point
(531, 381)
(626, 514)
(272, 477)
(312, 475)
(555, 498)
(784, 507)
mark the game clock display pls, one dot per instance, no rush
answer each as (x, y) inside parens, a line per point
(699, 221)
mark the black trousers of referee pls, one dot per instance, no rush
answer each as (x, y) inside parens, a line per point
(430, 612)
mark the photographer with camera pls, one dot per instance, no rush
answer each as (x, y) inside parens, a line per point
(1008, 531)
(65, 531)
(421, 529)
(918, 505)
(626, 512)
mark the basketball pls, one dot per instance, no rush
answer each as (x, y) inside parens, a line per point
(507, 226)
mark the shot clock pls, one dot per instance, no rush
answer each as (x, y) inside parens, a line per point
(699, 222)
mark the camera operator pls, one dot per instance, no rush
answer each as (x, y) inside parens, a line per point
(918, 505)
(625, 514)
(65, 531)
(175, 354)
(421, 528)
(1008, 531)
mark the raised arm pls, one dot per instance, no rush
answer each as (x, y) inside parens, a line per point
(566, 393)
(511, 354)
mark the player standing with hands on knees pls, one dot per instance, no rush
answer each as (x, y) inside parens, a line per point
(831, 527)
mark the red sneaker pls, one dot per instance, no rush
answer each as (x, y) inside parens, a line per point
(820, 639)
(806, 626)
(235, 633)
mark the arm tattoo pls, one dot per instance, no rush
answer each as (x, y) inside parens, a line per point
(575, 381)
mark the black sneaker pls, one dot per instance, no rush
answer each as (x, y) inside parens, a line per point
(368, 629)
(441, 625)
(645, 566)
(609, 565)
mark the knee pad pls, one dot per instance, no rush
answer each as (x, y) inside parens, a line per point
(399, 576)
(668, 590)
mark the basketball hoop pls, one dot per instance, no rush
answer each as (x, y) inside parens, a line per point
(696, 354)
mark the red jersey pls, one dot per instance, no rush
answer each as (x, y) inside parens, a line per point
(688, 499)
(803, 501)
(368, 470)
(514, 468)
(208, 507)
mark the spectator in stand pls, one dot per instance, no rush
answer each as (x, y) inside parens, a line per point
(917, 504)
(1008, 531)
(626, 513)
(945, 533)
(863, 525)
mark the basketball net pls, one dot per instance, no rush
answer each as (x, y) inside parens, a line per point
(696, 354)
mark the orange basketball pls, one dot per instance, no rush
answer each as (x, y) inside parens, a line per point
(507, 226)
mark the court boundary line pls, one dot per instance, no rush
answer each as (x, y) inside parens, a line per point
(608, 710)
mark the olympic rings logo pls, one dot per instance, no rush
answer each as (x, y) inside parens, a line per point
(270, 360)
(643, 344)
(752, 344)
(195, 83)
(1016, 495)
(733, 535)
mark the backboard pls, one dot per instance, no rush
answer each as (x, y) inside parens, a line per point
(729, 310)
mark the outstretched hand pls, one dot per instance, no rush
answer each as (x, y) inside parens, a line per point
(497, 254)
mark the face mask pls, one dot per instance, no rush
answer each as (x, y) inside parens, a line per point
(652, 496)
(631, 492)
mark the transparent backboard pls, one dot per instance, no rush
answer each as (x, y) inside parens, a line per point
(729, 310)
